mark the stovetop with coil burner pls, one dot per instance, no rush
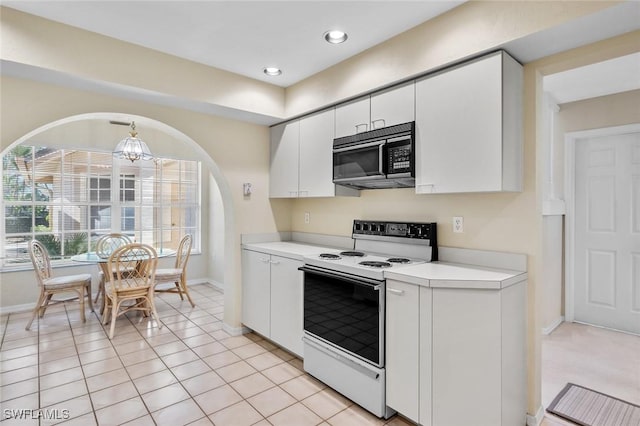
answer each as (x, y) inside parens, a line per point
(379, 246)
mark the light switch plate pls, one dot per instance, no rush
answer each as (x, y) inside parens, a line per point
(246, 189)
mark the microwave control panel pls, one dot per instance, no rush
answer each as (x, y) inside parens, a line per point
(399, 159)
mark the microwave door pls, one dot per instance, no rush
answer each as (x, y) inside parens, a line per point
(359, 162)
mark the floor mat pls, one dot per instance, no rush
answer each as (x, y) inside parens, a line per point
(587, 407)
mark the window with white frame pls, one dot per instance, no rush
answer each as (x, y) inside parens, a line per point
(67, 199)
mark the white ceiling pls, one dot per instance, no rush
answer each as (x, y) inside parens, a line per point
(603, 78)
(245, 36)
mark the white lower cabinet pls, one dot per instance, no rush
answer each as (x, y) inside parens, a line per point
(408, 350)
(286, 303)
(402, 342)
(272, 298)
(457, 356)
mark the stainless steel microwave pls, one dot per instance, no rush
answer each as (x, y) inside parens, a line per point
(381, 158)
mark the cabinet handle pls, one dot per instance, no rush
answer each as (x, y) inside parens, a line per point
(303, 193)
(362, 127)
(274, 262)
(373, 123)
(395, 291)
(263, 260)
(293, 193)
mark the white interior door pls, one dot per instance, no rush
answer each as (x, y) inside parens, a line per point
(607, 232)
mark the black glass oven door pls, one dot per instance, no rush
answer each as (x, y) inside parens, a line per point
(363, 161)
(345, 312)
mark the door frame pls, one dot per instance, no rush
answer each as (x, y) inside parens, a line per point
(570, 140)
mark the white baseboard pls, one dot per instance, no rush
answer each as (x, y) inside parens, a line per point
(537, 419)
(549, 329)
(235, 331)
(14, 309)
(216, 284)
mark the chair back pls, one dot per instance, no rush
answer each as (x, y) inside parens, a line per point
(133, 264)
(41, 261)
(107, 244)
(184, 250)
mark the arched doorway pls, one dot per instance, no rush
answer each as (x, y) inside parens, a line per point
(180, 143)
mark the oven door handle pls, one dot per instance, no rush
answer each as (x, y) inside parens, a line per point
(363, 282)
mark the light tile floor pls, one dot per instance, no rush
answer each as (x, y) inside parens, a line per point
(189, 371)
(604, 360)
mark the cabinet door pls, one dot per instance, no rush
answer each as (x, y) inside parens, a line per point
(283, 172)
(393, 106)
(316, 158)
(424, 371)
(466, 357)
(459, 129)
(256, 289)
(286, 303)
(353, 117)
(402, 315)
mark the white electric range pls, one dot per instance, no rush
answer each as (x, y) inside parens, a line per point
(344, 306)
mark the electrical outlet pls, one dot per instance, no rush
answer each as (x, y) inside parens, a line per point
(458, 224)
(307, 217)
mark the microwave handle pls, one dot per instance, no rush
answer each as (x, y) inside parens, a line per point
(359, 146)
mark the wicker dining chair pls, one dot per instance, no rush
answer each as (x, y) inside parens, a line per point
(177, 274)
(50, 285)
(104, 247)
(131, 272)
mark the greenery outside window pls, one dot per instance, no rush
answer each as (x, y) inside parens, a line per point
(67, 199)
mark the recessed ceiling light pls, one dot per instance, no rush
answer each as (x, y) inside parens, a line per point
(335, 36)
(272, 71)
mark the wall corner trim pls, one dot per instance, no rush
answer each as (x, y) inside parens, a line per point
(537, 419)
(235, 331)
(555, 324)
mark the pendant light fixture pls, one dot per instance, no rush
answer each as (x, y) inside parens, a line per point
(132, 148)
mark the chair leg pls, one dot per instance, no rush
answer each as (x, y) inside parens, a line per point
(105, 310)
(183, 284)
(44, 305)
(81, 299)
(152, 304)
(114, 315)
(36, 310)
(177, 283)
(100, 289)
(88, 289)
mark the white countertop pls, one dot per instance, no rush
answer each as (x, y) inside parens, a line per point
(454, 275)
(434, 274)
(290, 249)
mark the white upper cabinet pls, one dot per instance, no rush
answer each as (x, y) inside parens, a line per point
(469, 128)
(353, 117)
(316, 157)
(302, 158)
(393, 106)
(387, 108)
(283, 173)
